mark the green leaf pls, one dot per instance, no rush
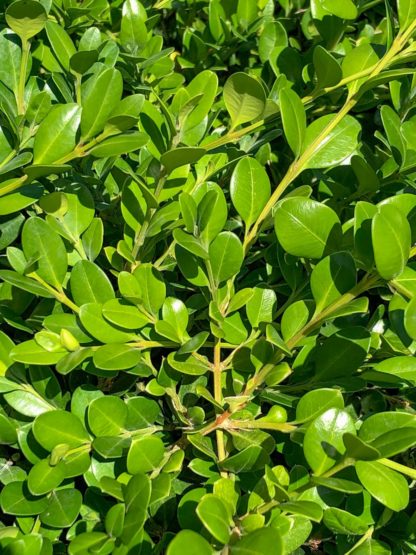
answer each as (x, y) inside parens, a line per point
(212, 214)
(56, 136)
(61, 43)
(343, 522)
(63, 508)
(306, 228)
(403, 367)
(357, 449)
(323, 443)
(213, 514)
(124, 315)
(15, 499)
(133, 32)
(244, 98)
(80, 62)
(392, 123)
(116, 357)
(121, 144)
(346, 9)
(107, 416)
(252, 457)
(294, 318)
(225, 256)
(328, 70)
(42, 244)
(187, 364)
(89, 284)
(24, 197)
(407, 13)
(136, 498)
(187, 542)
(342, 353)
(190, 243)
(395, 441)
(371, 547)
(261, 306)
(93, 321)
(309, 509)
(391, 240)
(10, 56)
(100, 95)
(181, 156)
(44, 478)
(26, 18)
(331, 278)
(58, 426)
(259, 542)
(293, 119)
(249, 189)
(31, 352)
(175, 316)
(316, 402)
(357, 60)
(145, 454)
(338, 484)
(152, 287)
(330, 147)
(387, 486)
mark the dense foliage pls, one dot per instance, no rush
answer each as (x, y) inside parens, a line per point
(207, 298)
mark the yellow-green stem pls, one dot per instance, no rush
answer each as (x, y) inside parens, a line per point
(218, 397)
(411, 472)
(20, 100)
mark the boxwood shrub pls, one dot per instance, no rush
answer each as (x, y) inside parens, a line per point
(207, 284)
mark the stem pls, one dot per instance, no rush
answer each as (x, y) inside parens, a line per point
(78, 78)
(295, 169)
(338, 467)
(218, 397)
(16, 184)
(366, 283)
(59, 295)
(362, 540)
(20, 99)
(261, 424)
(411, 472)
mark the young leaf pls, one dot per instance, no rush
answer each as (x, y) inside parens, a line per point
(244, 98)
(249, 189)
(294, 119)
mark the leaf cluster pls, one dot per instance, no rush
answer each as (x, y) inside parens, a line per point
(207, 284)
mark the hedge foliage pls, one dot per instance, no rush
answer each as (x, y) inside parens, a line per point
(208, 293)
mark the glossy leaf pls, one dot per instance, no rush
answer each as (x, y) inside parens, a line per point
(305, 227)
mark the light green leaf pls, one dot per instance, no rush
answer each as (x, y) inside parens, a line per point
(213, 514)
(329, 147)
(145, 454)
(56, 135)
(100, 95)
(323, 443)
(387, 486)
(225, 256)
(26, 18)
(332, 277)
(107, 416)
(293, 119)
(41, 244)
(89, 284)
(306, 228)
(188, 542)
(244, 98)
(249, 189)
(391, 238)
